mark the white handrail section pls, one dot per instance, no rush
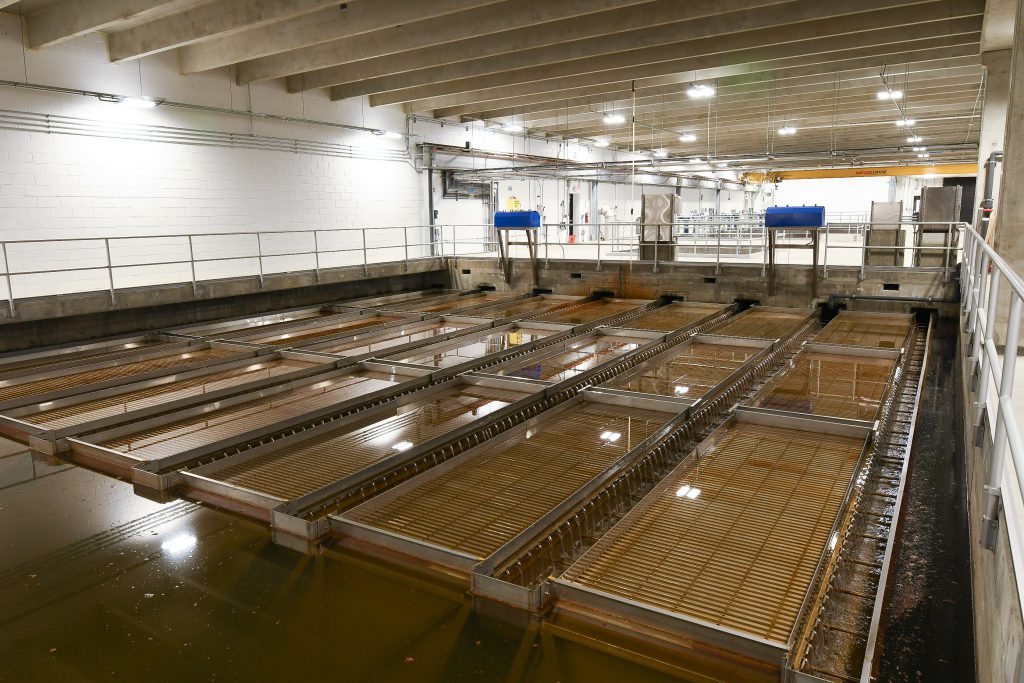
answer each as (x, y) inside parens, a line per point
(992, 296)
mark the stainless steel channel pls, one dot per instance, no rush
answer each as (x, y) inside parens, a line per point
(458, 303)
(591, 311)
(29, 361)
(378, 342)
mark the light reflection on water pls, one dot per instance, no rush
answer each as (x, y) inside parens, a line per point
(98, 584)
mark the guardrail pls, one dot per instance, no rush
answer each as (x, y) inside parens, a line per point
(41, 267)
(991, 301)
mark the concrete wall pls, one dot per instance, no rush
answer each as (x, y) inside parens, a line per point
(792, 285)
(998, 623)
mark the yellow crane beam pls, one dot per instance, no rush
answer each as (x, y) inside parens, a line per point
(860, 172)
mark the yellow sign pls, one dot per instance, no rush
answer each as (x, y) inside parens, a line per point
(513, 204)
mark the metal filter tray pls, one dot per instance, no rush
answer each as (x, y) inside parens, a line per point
(378, 342)
(688, 371)
(729, 542)
(197, 386)
(534, 305)
(874, 330)
(829, 384)
(289, 470)
(457, 303)
(194, 431)
(475, 503)
(673, 316)
(575, 356)
(472, 347)
(594, 310)
(763, 322)
(107, 372)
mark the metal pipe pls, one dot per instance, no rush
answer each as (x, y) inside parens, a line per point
(832, 298)
(990, 182)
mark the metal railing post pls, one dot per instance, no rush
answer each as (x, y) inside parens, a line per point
(657, 236)
(949, 246)
(110, 271)
(824, 258)
(978, 291)
(259, 257)
(316, 255)
(990, 326)
(192, 265)
(7, 276)
(366, 259)
(405, 243)
(990, 520)
(718, 250)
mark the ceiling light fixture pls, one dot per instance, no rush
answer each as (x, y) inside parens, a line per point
(890, 95)
(906, 122)
(914, 138)
(613, 119)
(660, 153)
(601, 143)
(787, 130)
(920, 149)
(923, 156)
(513, 128)
(687, 137)
(700, 91)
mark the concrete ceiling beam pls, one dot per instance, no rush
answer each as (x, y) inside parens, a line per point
(522, 104)
(587, 54)
(219, 19)
(732, 55)
(676, 100)
(337, 21)
(62, 21)
(480, 23)
(613, 24)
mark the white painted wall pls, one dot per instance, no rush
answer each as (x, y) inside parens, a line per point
(66, 187)
(837, 195)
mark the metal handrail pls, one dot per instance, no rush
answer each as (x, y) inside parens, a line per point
(988, 308)
(716, 239)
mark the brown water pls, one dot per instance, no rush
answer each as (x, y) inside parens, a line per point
(97, 584)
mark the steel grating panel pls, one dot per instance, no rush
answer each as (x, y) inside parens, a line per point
(687, 372)
(519, 308)
(386, 339)
(193, 432)
(388, 299)
(478, 347)
(457, 304)
(762, 324)
(80, 413)
(589, 312)
(672, 317)
(831, 385)
(296, 470)
(241, 326)
(49, 384)
(578, 357)
(283, 337)
(85, 356)
(741, 552)
(485, 499)
(885, 332)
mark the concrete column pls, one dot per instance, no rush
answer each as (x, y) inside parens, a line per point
(1009, 236)
(993, 121)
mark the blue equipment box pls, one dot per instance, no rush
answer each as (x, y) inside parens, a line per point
(516, 219)
(794, 216)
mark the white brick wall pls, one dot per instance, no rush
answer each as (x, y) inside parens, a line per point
(66, 187)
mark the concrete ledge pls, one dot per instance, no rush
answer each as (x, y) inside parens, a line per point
(792, 286)
(45, 321)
